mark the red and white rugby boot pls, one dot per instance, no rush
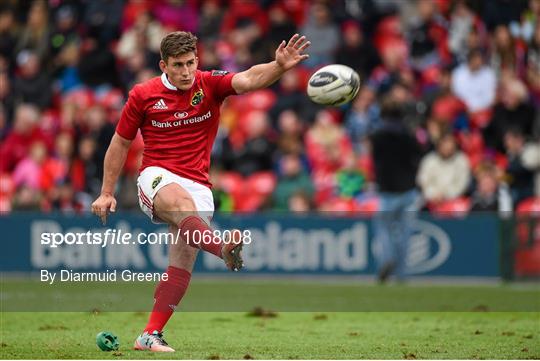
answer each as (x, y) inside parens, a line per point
(152, 342)
(231, 248)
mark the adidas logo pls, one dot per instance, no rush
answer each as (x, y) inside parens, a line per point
(160, 105)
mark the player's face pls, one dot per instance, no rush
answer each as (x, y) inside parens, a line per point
(180, 70)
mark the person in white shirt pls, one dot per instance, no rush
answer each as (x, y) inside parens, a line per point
(474, 83)
(531, 160)
(444, 174)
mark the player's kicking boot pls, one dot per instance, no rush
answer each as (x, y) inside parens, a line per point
(230, 251)
(152, 342)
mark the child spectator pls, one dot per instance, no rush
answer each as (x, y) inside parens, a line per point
(490, 194)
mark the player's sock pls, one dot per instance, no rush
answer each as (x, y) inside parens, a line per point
(194, 230)
(167, 296)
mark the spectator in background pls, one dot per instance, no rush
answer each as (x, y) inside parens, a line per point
(327, 144)
(531, 160)
(396, 155)
(443, 110)
(144, 75)
(463, 23)
(145, 36)
(8, 36)
(293, 179)
(97, 67)
(490, 194)
(134, 65)
(281, 26)
(357, 51)
(33, 84)
(7, 100)
(496, 12)
(177, 14)
(208, 56)
(3, 121)
(474, 83)
(520, 178)
(394, 69)
(256, 154)
(321, 26)
(25, 131)
(67, 63)
(56, 169)
(300, 203)
(350, 180)
(291, 132)
(131, 11)
(73, 108)
(245, 44)
(97, 126)
(85, 178)
(445, 173)
(425, 35)
(440, 88)
(435, 129)
(513, 110)
(524, 28)
(245, 25)
(27, 199)
(241, 13)
(102, 19)
(506, 57)
(62, 198)
(65, 29)
(477, 39)
(533, 65)
(223, 200)
(29, 171)
(210, 19)
(36, 33)
(362, 119)
(291, 95)
(412, 111)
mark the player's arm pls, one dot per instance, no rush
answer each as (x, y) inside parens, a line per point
(261, 76)
(115, 157)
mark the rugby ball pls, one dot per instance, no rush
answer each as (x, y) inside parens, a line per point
(333, 85)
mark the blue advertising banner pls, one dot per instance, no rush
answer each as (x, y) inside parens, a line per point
(280, 244)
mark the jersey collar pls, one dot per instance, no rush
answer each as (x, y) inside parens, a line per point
(167, 83)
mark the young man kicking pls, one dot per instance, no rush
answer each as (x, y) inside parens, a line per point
(178, 115)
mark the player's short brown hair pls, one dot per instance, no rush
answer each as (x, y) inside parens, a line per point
(177, 43)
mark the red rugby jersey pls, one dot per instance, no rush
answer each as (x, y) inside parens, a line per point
(178, 127)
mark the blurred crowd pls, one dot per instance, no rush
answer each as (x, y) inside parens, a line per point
(466, 74)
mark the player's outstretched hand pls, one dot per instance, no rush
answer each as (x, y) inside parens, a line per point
(102, 205)
(291, 53)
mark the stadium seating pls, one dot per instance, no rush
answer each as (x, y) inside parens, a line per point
(453, 208)
(250, 193)
(228, 44)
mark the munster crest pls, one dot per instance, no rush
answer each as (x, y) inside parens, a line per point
(156, 181)
(197, 97)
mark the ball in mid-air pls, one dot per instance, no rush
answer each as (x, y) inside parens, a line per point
(333, 85)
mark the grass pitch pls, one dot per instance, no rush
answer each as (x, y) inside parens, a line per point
(475, 334)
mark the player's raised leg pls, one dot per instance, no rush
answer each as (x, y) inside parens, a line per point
(168, 295)
(175, 206)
